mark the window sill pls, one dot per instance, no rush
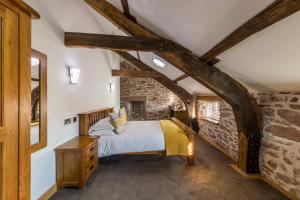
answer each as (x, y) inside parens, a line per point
(210, 120)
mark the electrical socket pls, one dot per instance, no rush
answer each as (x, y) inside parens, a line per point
(68, 121)
(74, 119)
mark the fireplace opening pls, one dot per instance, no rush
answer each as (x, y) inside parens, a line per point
(135, 108)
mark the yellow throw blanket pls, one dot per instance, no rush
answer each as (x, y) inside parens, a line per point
(176, 140)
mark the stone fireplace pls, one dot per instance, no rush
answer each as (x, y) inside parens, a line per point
(135, 107)
(145, 98)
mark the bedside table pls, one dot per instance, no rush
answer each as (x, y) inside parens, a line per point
(76, 161)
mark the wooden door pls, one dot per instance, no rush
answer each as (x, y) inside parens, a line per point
(9, 137)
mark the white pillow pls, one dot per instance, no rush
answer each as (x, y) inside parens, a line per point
(103, 124)
(113, 116)
(102, 132)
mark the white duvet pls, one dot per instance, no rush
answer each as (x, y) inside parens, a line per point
(138, 136)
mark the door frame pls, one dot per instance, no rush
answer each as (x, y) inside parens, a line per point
(25, 13)
(24, 106)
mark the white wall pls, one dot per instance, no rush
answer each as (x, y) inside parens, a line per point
(65, 100)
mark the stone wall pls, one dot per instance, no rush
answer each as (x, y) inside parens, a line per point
(158, 97)
(224, 133)
(280, 145)
(280, 148)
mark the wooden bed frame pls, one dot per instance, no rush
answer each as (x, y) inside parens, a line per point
(88, 119)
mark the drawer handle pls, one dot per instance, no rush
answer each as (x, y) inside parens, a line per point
(91, 158)
(92, 167)
(91, 149)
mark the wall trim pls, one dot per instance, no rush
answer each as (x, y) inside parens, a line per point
(49, 193)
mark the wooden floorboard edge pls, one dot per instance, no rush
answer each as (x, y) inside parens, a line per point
(217, 147)
(49, 193)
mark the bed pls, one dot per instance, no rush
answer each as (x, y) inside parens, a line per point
(138, 138)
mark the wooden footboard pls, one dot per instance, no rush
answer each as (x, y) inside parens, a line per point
(191, 135)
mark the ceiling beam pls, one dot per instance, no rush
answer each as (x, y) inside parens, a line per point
(277, 11)
(209, 98)
(212, 62)
(120, 43)
(135, 73)
(126, 10)
(184, 95)
(244, 106)
(180, 78)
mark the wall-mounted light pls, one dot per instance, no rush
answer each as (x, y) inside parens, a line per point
(74, 75)
(111, 87)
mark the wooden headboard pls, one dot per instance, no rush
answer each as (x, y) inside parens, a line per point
(88, 119)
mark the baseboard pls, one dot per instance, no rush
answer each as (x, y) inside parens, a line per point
(280, 189)
(217, 147)
(49, 193)
(247, 176)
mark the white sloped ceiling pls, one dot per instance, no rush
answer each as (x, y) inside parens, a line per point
(266, 61)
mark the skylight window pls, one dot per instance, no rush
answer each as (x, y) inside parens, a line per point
(160, 63)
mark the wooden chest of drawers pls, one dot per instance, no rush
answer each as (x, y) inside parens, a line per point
(76, 160)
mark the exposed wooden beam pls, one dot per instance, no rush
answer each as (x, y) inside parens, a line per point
(213, 61)
(180, 78)
(209, 98)
(184, 95)
(277, 11)
(135, 62)
(120, 43)
(125, 7)
(135, 73)
(126, 10)
(244, 106)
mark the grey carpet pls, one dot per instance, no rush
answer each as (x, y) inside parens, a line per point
(169, 178)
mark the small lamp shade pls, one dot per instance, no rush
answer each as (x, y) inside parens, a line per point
(74, 75)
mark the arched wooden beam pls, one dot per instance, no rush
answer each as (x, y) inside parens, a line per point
(244, 106)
